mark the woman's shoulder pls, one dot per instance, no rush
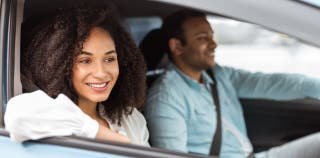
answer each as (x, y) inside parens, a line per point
(135, 118)
(133, 125)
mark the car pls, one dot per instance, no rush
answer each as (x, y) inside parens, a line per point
(269, 122)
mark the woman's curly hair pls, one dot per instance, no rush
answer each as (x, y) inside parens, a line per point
(48, 58)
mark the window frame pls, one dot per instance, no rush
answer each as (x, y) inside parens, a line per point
(7, 45)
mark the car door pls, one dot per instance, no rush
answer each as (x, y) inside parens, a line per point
(74, 147)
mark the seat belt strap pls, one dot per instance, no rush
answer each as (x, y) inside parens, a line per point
(216, 142)
(217, 138)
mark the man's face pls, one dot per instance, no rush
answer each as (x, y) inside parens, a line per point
(198, 51)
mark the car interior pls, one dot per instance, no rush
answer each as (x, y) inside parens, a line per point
(269, 122)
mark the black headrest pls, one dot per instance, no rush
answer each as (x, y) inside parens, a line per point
(152, 48)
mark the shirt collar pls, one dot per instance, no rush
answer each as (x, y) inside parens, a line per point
(191, 82)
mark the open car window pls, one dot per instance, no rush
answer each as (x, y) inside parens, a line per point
(16, 12)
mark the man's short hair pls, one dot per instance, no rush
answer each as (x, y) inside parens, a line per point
(172, 25)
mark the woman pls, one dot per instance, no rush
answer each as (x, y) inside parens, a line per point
(81, 56)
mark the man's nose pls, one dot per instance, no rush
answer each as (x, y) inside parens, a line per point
(213, 43)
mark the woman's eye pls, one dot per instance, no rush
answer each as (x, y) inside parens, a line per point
(110, 59)
(85, 61)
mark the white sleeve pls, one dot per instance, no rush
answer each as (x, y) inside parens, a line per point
(36, 115)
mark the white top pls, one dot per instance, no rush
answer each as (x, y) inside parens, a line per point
(134, 126)
(36, 115)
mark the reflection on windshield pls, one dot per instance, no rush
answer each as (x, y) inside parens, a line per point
(247, 46)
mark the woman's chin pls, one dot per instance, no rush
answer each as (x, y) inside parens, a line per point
(99, 99)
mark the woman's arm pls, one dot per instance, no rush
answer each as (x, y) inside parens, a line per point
(105, 133)
(35, 115)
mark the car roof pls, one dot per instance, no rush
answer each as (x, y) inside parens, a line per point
(292, 17)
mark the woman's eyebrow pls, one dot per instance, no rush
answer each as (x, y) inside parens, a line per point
(106, 53)
(86, 53)
(110, 52)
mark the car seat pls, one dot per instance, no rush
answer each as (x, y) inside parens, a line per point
(152, 47)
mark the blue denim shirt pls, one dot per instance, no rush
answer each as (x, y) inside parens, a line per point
(181, 115)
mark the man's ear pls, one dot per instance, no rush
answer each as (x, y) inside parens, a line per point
(175, 46)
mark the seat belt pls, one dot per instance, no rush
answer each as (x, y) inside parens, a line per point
(216, 141)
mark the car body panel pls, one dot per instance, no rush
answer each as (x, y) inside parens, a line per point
(89, 147)
(33, 150)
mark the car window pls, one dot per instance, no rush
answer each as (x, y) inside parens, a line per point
(31, 8)
(247, 46)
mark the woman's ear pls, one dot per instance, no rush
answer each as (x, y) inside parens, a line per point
(175, 46)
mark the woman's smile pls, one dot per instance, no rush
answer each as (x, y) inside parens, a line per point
(98, 86)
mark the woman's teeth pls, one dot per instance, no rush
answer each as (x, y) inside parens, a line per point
(94, 85)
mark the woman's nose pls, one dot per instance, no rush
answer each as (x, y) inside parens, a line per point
(99, 70)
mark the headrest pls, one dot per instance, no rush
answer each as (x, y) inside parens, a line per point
(152, 48)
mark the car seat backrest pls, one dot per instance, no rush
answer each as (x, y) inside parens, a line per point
(152, 48)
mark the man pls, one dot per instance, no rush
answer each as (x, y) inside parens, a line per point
(180, 109)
